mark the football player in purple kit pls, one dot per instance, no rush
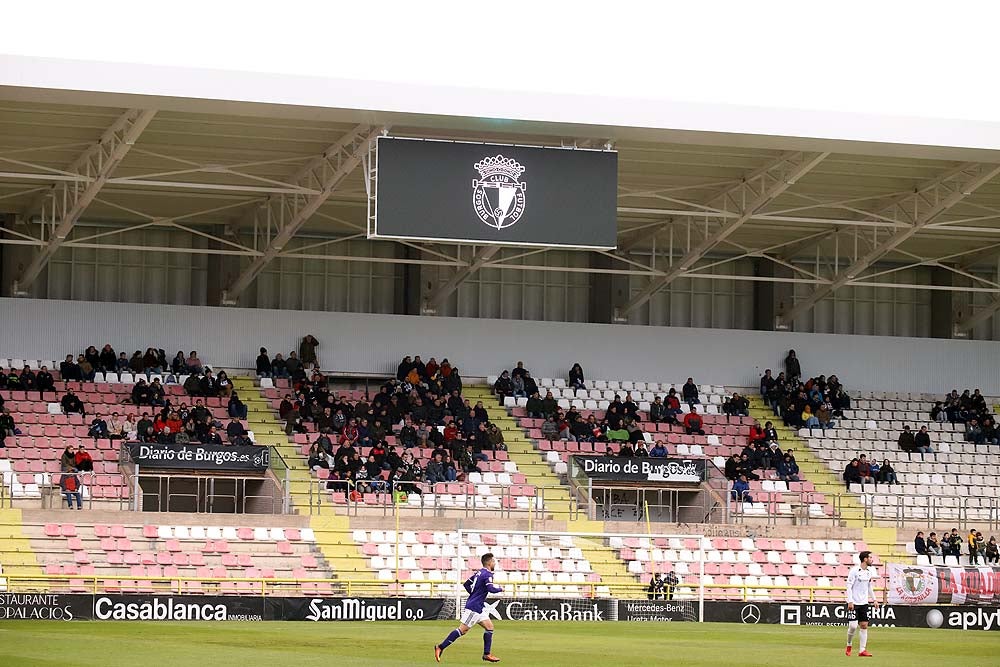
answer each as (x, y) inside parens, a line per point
(478, 586)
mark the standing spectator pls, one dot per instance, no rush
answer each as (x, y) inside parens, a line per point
(69, 482)
(906, 441)
(974, 543)
(519, 370)
(689, 392)
(71, 403)
(307, 351)
(576, 379)
(919, 544)
(991, 552)
(69, 370)
(263, 364)
(766, 383)
(792, 368)
(922, 441)
(693, 422)
(655, 589)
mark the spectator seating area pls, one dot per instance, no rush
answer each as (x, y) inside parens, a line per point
(29, 460)
(127, 378)
(603, 392)
(959, 478)
(724, 436)
(551, 565)
(150, 557)
(761, 566)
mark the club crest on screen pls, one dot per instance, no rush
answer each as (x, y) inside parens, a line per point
(498, 195)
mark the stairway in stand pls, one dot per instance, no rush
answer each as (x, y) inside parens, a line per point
(343, 555)
(604, 560)
(269, 430)
(16, 555)
(812, 468)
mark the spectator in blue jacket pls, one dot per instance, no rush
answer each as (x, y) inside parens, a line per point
(741, 490)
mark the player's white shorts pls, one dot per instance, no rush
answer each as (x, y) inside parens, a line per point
(472, 618)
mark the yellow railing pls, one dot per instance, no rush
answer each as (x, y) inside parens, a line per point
(91, 584)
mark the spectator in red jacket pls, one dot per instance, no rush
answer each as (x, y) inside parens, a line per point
(757, 434)
(693, 422)
(84, 462)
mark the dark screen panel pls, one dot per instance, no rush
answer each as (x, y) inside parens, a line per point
(496, 194)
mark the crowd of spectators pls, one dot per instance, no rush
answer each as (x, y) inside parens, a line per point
(980, 551)
(970, 409)
(862, 470)
(422, 406)
(915, 443)
(804, 402)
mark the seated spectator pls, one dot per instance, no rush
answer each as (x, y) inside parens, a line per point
(503, 386)
(235, 430)
(279, 368)
(140, 393)
(809, 420)
(886, 474)
(44, 380)
(192, 385)
(212, 437)
(264, 364)
(824, 416)
(84, 462)
(852, 473)
(736, 406)
(919, 544)
(8, 428)
(317, 458)
(208, 385)
(135, 364)
(92, 356)
(757, 435)
(938, 413)
(576, 379)
(689, 393)
(108, 359)
(157, 394)
(151, 362)
(741, 490)
(71, 403)
(67, 461)
(294, 365)
(495, 437)
(87, 372)
(732, 468)
(519, 370)
(659, 450)
(517, 388)
(69, 370)
(236, 408)
(534, 407)
(953, 544)
(787, 469)
(933, 548)
(991, 552)
(922, 441)
(193, 363)
(657, 411)
(224, 386)
(864, 469)
(770, 433)
(549, 404)
(625, 450)
(435, 470)
(640, 450)
(98, 428)
(906, 440)
(673, 406)
(550, 429)
(693, 422)
(69, 482)
(116, 428)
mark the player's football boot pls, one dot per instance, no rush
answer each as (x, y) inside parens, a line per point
(848, 651)
(437, 653)
(865, 654)
(489, 657)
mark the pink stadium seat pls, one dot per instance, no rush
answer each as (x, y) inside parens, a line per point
(293, 534)
(115, 558)
(173, 545)
(309, 562)
(124, 544)
(117, 531)
(131, 558)
(245, 560)
(68, 530)
(245, 533)
(52, 530)
(150, 532)
(285, 548)
(230, 560)
(81, 557)
(221, 546)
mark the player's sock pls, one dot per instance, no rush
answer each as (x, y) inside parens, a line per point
(487, 642)
(851, 628)
(863, 636)
(450, 639)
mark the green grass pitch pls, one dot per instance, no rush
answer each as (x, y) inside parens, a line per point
(525, 643)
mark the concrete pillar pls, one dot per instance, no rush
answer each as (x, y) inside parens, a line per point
(771, 299)
(943, 304)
